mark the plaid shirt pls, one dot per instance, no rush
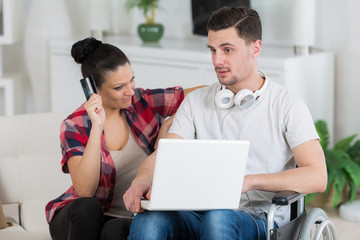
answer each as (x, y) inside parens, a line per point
(144, 116)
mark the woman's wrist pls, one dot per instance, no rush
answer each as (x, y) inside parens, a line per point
(96, 129)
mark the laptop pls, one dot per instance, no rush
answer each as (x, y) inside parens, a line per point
(198, 174)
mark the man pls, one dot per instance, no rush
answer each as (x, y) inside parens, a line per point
(277, 124)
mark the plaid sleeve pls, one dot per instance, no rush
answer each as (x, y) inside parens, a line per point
(73, 139)
(163, 101)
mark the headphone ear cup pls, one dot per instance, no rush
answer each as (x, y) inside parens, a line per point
(224, 99)
(245, 98)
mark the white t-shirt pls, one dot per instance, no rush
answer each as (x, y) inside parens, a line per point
(277, 122)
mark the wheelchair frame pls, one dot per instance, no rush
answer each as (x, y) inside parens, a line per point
(301, 223)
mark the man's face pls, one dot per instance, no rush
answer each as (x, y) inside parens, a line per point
(232, 58)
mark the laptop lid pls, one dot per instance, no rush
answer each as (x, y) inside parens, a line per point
(198, 174)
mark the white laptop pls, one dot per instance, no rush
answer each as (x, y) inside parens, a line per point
(198, 174)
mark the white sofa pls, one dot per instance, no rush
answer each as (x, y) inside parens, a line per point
(30, 172)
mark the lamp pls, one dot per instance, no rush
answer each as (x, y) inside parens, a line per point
(99, 18)
(304, 25)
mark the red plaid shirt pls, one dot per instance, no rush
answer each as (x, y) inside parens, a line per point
(144, 116)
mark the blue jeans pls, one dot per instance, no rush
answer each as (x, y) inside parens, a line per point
(215, 224)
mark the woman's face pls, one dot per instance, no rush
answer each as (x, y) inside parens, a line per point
(118, 88)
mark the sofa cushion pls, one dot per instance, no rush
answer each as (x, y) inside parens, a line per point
(10, 180)
(30, 170)
(11, 211)
(17, 235)
(31, 137)
(42, 177)
(39, 134)
(42, 235)
(16, 232)
(33, 215)
(10, 185)
(43, 181)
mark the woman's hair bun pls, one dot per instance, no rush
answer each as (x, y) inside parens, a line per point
(81, 49)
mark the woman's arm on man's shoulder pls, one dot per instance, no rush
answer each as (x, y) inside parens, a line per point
(188, 90)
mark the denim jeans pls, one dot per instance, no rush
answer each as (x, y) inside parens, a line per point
(215, 224)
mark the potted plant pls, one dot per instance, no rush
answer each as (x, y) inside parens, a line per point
(343, 166)
(150, 31)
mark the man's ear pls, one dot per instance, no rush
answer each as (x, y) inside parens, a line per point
(257, 48)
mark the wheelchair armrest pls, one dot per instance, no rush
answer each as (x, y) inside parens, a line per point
(286, 197)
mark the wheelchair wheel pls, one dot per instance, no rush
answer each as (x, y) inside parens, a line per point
(317, 226)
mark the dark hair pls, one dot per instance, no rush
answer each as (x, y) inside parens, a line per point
(97, 58)
(245, 20)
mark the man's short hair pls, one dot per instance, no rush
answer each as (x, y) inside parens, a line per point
(245, 20)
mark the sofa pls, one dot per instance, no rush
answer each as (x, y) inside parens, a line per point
(30, 172)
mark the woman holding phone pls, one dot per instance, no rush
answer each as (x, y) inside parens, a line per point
(104, 141)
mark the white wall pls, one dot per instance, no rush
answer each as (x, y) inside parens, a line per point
(341, 34)
(336, 30)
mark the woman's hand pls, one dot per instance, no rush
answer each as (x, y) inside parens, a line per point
(95, 110)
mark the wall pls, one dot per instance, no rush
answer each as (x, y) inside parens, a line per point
(341, 34)
(336, 31)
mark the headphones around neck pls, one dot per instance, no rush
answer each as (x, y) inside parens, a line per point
(245, 98)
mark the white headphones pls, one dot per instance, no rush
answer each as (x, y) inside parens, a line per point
(245, 98)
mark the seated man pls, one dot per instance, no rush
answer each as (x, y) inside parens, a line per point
(244, 105)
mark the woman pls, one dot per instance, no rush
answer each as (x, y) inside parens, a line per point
(103, 142)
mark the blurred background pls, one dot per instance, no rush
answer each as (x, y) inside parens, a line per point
(334, 26)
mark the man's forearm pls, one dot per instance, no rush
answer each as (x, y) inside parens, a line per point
(310, 175)
(145, 172)
(302, 180)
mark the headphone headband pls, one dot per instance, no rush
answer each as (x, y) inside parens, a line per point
(260, 91)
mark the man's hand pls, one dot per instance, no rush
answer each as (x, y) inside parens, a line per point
(133, 196)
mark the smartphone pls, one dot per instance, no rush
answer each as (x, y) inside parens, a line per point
(88, 86)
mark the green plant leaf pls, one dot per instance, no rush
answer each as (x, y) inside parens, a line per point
(351, 180)
(309, 197)
(339, 182)
(322, 130)
(335, 159)
(147, 7)
(342, 162)
(344, 144)
(353, 170)
(354, 152)
(331, 176)
(143, 5)
(352, 191)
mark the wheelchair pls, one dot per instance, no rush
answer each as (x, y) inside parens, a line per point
(302, 226)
